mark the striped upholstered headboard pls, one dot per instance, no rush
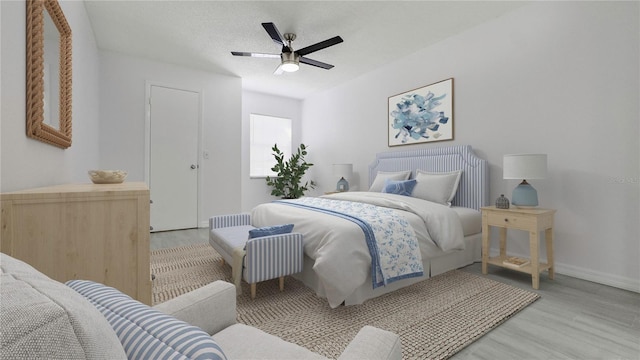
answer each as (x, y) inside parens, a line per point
(473, 191)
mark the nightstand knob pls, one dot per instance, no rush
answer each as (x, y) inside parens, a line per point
(506, 220)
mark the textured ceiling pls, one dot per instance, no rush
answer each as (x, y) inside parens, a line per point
(201, 34)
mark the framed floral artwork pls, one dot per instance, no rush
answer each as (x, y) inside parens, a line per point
(422, 115)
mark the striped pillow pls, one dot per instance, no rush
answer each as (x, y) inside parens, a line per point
(146, 333)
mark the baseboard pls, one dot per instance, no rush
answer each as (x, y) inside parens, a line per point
(620, 282)
(204, 224)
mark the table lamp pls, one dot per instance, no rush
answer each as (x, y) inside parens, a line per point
(342, 172)
(523, 167)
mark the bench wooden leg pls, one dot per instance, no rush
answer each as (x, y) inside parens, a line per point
(253, 290)
(281, 278)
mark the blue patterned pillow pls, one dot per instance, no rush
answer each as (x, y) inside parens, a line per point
(401, 187)
(146, 333)
(270, 230)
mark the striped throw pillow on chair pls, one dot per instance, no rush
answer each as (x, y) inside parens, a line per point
(146, 333)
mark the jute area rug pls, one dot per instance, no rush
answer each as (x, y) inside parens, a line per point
(434, 318)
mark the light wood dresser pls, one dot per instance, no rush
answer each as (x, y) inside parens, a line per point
(82, 231)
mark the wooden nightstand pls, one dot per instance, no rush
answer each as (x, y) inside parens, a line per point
(532, 220)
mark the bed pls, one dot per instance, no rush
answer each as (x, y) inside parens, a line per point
(338, 261)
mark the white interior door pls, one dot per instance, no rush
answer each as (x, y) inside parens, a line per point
(173, 158)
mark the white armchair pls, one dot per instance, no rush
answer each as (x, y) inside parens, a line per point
(213, 309)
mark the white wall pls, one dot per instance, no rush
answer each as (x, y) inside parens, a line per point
(560, 78)
(255, 191)
(26, 162)
(122, 125)
(554, 77)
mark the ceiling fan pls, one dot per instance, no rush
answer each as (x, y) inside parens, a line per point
(290, 59)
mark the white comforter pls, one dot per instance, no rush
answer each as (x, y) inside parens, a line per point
(342, 259)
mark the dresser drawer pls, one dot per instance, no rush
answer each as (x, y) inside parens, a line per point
(512, 221)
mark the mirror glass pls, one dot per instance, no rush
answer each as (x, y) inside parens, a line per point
(51, 97)
(48, 73)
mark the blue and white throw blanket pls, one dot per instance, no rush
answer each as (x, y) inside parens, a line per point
(392, 243)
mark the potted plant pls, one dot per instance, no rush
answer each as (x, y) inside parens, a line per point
(288, 183)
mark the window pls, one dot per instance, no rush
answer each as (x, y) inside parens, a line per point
(265, 131)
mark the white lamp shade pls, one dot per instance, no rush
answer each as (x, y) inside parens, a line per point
(524, 166)
(343, 171)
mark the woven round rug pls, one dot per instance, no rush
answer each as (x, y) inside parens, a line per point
(434, 318)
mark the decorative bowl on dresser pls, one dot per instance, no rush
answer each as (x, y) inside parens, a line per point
(107, 176)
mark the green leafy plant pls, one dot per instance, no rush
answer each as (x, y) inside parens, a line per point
(288, 183)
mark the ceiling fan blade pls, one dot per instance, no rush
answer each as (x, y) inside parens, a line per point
(319, 46)
(315, 63)
(252, 54)
(272, 30)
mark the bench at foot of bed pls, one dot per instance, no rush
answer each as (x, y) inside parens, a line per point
(257, 259)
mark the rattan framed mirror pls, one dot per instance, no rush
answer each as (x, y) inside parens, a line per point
(48, 99)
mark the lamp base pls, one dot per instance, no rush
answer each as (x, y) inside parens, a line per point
(524, 195)
(343, 185)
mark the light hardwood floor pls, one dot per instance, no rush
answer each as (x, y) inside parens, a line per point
(573, 319)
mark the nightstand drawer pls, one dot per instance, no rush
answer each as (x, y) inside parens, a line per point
(512, 221)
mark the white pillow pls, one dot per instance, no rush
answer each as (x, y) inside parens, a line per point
(382, 176)
(437, 187)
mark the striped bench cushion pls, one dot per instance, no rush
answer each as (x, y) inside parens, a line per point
(146, 333)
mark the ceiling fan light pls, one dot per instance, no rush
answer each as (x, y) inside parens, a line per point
(290, 66)
(289, 61)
